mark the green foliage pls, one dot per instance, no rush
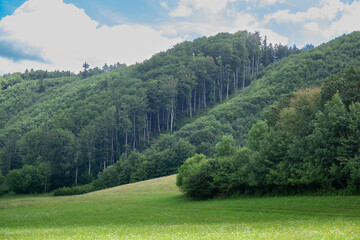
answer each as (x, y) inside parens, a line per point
(28, 179)
(225, 147)
(178, 103)
(50, 150)
(107, 178)
(75, 190)
(310, 146)
(195, 177)
(257, 135)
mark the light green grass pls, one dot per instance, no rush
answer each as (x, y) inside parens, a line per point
(155, 209)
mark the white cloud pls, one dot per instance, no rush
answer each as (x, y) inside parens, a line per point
(181, 11)
(164, 4)
(246, 21)
(266, 2)
(347, 23)
(68, 37)
(187, 7)
(214, 16)
(271, 2)
(320, 24)
(208, 27)
(328, 11)
(312, 27)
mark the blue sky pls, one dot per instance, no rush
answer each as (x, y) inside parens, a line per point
(62, 34)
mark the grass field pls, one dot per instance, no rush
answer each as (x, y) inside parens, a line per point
(155, 209)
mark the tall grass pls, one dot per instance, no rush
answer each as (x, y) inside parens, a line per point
(155, 209)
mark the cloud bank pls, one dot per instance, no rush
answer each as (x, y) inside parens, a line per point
(331, 19)
(49, 34)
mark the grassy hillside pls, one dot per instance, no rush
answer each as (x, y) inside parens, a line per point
(155, 209)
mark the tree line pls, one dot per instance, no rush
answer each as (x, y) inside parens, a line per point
(308, 143)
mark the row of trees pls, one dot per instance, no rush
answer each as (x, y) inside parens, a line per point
(309, 142)
(195, 75)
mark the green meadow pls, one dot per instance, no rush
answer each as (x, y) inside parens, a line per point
(155, 209)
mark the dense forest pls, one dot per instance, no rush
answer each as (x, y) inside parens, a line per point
(309, 142)
(123, 124)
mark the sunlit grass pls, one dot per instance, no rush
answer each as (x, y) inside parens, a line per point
(156, 209)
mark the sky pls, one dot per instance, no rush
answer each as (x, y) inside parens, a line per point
(63, 34)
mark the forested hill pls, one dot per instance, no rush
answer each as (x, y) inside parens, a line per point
(304, 70)
(64, 130)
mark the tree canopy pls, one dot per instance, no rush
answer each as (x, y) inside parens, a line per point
(145, 120)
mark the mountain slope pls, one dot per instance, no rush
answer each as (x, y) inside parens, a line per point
(296, 72)
(71, 127)
(237, 115)
(80, 125)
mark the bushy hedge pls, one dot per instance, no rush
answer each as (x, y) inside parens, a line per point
(67, 191)
(28, 179)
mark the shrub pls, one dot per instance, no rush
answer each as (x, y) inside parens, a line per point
(195, 177)
(25, 180)
(107, 178)
(76, 190)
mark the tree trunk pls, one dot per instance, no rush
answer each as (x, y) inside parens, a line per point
(105, 154)
(134, 132)
(220, 88)
(237, 78)
(243, 81)
(89, 166)
(227, 85)
(112, 149)
(117, 131)
(235, 81)
(76, 175)
(253, 67)
(204, 96)
(190, 111)
(158, 117)
(195, 99)
(147, 127)
(199, 101)
(167, 120)
(214, 92)
(150, 125)
(172, 119)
